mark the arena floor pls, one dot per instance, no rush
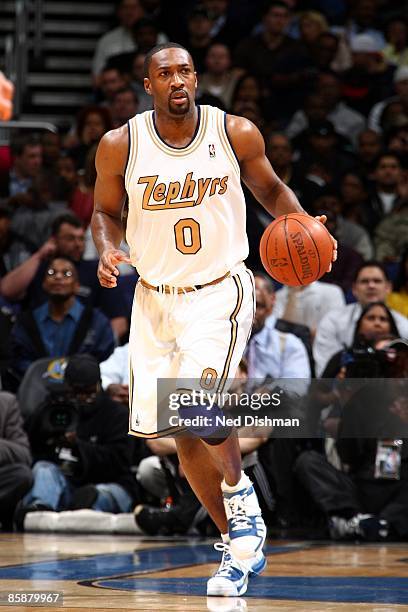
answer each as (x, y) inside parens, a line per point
(134, 573)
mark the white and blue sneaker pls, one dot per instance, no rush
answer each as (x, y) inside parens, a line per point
(246, 527)
(231, 578)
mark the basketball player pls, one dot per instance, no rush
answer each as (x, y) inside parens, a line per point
(180, 167)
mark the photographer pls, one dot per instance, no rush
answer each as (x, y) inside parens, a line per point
(368, 497)
(375, 322)
(91, 461)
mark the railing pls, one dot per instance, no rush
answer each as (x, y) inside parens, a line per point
(20, 53)
(16, 56)
(7, 126)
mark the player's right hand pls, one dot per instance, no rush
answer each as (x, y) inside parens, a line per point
(107, 268)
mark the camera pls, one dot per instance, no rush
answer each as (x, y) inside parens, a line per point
(364, 362)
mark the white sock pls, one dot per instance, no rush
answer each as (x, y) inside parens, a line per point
(243, 483)
(225, 538)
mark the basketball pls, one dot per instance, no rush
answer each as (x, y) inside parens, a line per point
(296, 249)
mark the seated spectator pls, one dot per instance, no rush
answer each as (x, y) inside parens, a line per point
(349, 233)
(198, 37)
(375, 322)
(307, 304)
(218, 79)
(51, 150)
(368, 501)
(27, 164)
(89, 465)
(354, 195)
(120, 39)
(61, 326)
(68, 240)
(137, 83)
(92, 123)
(368, 150)
(81, 200)
(15, 459)
(331, 52)
(313, 110)
(124, 106)
(146, 34)
(346, 121)
(384, 197)
(363, 19)
(396, 34)
(271, 353)
(391, 234)
(370, 78)
(266, 54)
(398, 298)
(115, 374)
(13, 251)
(280, 153)
(348, 260)
(371, 284)
(321, 144)
(400, 81)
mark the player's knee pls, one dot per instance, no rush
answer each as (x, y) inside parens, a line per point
(204, 420)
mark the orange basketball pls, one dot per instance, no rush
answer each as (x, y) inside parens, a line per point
(296, 249)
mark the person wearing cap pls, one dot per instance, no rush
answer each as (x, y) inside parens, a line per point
(369, 79)
(400, 81)
(90, 465)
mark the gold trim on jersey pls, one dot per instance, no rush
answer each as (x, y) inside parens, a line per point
(173, 152)
(225, 142)
(134, 145)
(234, 332)
(157, 434)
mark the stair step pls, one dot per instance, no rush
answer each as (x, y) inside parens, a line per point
(67, 8)
(55, 99)
(61, 26)
(68, 44)
(67, 63)
(56, 119)
(42, 79)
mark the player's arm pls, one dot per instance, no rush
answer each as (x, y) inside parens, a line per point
(258, 174)
(256, 171)
(106, 223)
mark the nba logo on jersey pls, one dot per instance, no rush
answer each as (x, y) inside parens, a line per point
(211, 149)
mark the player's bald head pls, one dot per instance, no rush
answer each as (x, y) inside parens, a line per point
(157, 49)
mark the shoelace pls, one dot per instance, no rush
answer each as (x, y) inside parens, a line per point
(228, 563)
(239, 518)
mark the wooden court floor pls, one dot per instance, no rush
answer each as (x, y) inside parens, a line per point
(134, 573)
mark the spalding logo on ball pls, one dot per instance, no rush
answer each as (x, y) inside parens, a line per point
(296, 249)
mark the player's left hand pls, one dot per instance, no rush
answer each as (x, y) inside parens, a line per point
(107, 268)
(323, 219)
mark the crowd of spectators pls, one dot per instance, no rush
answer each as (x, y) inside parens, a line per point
(326, 82)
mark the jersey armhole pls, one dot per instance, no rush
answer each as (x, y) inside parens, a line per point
(132, 150)
(229, 140)
(225, 141)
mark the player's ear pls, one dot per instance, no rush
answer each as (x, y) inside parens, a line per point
(146, 83)
(195, 80)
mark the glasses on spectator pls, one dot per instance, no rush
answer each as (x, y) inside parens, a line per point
(65, 273)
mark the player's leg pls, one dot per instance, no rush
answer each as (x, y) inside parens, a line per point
(193, 455)
(215, 345)
(151, 356)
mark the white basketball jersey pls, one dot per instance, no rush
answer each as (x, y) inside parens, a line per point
(186, 222)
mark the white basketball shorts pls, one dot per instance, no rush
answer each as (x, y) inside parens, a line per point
(197, 335)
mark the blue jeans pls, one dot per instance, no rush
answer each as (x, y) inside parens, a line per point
(52, 488)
